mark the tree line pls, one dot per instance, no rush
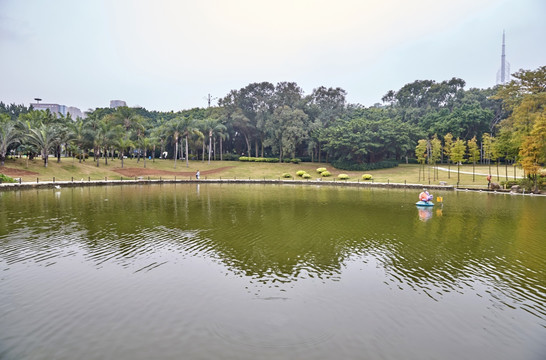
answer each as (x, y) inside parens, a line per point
(280, 120)
(516, 135)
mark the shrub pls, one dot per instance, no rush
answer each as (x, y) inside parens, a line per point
(286, 175)
(295, 160)
(230, 157)
(350, 166)
(257, 159)
(300, 173)
(321, 170)
(508, 184)
(6, 179)
(306, 176)
(367, 177)
(325, 173)
(343, 177)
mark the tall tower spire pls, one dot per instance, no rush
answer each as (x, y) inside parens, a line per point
(503, 75)
(503, 61)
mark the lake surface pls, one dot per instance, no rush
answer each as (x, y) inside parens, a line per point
(215, 271)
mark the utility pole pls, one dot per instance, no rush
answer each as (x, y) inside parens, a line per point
(209, 99)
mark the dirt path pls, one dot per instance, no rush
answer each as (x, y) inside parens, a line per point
(16, 172)
(132, 172)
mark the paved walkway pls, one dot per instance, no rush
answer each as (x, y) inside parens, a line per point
(470, 172)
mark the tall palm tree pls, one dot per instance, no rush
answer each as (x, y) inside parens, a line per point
(100, 139)
(189, 126)
(9, 135)
(175, 127)
(144, 143)
(77, 134)
(212, 127)
(63, 134)
(90, 129)
(122, 144)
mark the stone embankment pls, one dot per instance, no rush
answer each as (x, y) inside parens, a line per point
(142, 181)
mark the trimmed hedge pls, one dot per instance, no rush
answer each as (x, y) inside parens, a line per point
(325, 173)
(367, 177)
(346, 165)
(300, 173)
(230, 157)
(343, 177)
(286, 175)
(258, 159)
(320, 170)
(306, 176)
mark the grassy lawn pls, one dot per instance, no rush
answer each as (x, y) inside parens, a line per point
(69, 168)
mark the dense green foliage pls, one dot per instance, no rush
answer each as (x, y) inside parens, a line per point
(6, 179)
(425, 121)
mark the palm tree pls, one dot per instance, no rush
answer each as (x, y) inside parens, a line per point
(27, 149)
(189, 127)
(9, 135)
(212, 127)
(122, 144)
(77, 134)
(154, 141)
(43, 137)
(90, 129)
(100, 139)
(63, 134)
(175, 127)
(130, 121)
(144, 143)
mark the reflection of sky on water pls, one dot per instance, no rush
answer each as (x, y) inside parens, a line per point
(241, 271)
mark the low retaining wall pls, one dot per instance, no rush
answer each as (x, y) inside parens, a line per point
(52, 185)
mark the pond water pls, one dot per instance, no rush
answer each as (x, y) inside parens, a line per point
(215, 271)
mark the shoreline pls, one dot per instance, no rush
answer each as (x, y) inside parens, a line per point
(84, 183)
(280, 181)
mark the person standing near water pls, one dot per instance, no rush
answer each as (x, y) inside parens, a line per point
(488, 181)
(197, 174)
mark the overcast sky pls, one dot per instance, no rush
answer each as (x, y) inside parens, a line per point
(168, 55)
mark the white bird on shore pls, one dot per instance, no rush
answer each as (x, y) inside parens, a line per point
(58, 187)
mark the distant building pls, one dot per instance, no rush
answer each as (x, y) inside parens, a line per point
(59, 109)
(53, 108)
(74, 112)
(117, 103)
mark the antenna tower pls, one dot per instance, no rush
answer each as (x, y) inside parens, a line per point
(503, 75)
